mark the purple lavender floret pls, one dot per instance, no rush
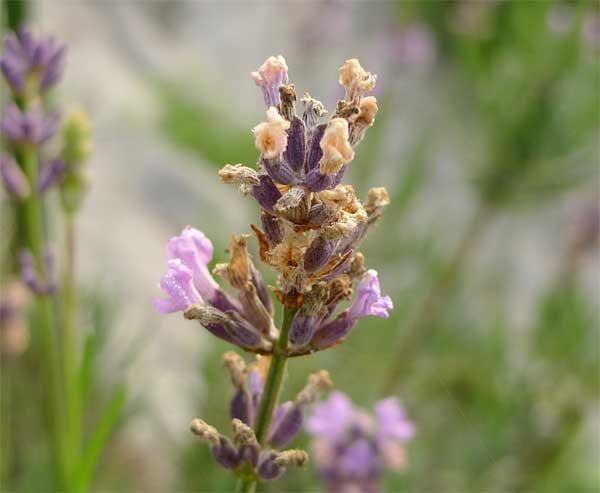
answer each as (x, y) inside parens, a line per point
(351, 449)
(369, 300)
(30, 275)
(178, 284)
(51, 171)
(13, 178)
(28, 127)
(31, 63)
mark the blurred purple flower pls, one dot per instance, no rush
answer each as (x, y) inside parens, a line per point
(30, 62)
(13, 178)
(28, 127)
(413, 46)
(392, 421)
(351, 449)
(50, 173)
(332, 417)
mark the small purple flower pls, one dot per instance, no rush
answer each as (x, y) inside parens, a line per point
(369, 300)
(51, 172)
(14, 179)
(352, 450)
(31, 63)
(331, 418)
(269, 77)
(178, 284)
(28, 127)
(392, 421)
(31, 276)
(195, 251)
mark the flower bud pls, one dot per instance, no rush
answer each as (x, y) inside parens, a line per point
(206, 432)
(313, 110)
(318, 253)
(256, 312)
(271, 227)
(288, 98)
(237, 173)
(77, 137)
(242, 434)
(293, 205)
(295, 152)
(225, 453)
(315, 153)
(302, 329)
(279, 170)
(267, 469)
(317, 383)
(261, 289)
(287, 423)
(13, 178)
(31, 127)
(266, 193)
(331, 332)
(249, 454)
(292, 458)
(236, 366)
(52, 170)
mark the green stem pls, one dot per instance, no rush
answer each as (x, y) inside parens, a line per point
(69, 348)
(420, 327)
(271, 390)
(45, 314)
(246, 486)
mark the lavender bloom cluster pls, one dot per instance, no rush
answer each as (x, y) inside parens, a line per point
(242, 453)
(311, 226)
(353, 448)
(31, 65)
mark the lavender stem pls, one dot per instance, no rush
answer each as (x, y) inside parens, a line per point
(272, 389)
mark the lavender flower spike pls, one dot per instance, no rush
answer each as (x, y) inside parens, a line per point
(30, 63)
(28, 127)
(369, 300)
(51, 172)
(269, 77)
(178, 284)
(13, 177)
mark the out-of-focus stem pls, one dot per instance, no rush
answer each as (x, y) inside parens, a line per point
(70, 348)
(422, 323)
(271, 390)
(45, 316)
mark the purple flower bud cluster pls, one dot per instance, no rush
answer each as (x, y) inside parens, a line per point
(31, 64)
(243, 453)
(353, 448)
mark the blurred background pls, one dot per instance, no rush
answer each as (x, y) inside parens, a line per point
(487, 141)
